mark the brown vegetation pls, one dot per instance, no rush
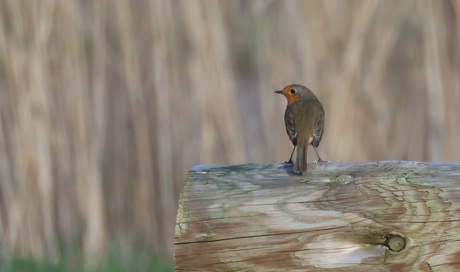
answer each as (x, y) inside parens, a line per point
(104, 107)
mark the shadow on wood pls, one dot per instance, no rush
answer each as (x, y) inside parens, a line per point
(393, 216)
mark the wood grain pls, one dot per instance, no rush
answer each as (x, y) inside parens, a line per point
(378, 216)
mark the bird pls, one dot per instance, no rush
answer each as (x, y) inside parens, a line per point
(304, 121)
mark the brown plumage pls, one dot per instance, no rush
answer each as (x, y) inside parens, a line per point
(304, 120)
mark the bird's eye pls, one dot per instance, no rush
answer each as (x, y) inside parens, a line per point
(292, 91)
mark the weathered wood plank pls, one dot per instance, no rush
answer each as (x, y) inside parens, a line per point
(379, 216)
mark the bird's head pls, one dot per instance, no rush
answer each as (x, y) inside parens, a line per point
(296, 92)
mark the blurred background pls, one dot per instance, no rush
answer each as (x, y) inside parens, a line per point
(106, 105)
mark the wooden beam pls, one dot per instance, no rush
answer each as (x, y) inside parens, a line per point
(377, 216)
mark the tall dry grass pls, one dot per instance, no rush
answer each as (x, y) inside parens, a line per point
(105, 106)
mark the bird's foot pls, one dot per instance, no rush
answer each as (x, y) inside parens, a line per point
(319, 160)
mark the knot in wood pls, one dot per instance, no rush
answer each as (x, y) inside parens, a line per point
(395, 242)
(344, 179)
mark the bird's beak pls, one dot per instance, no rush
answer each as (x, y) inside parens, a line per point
(279, 92)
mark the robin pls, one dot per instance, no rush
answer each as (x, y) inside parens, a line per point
(304, 120)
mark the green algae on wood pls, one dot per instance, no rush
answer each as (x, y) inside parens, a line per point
(376, 216)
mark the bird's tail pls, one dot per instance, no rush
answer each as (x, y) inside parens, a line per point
(300, 164)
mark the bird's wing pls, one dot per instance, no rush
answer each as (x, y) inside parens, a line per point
(319, 126)
(290, 126)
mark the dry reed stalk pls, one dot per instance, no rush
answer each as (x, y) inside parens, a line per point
(32, 188)
(80, 115)
(435, 89)
(163, 83)
(210, 69)
(143, 187)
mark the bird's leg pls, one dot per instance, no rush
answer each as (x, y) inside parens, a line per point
(290, 158)
(319, 160)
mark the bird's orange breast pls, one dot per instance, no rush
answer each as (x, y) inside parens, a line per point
(292, 98)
